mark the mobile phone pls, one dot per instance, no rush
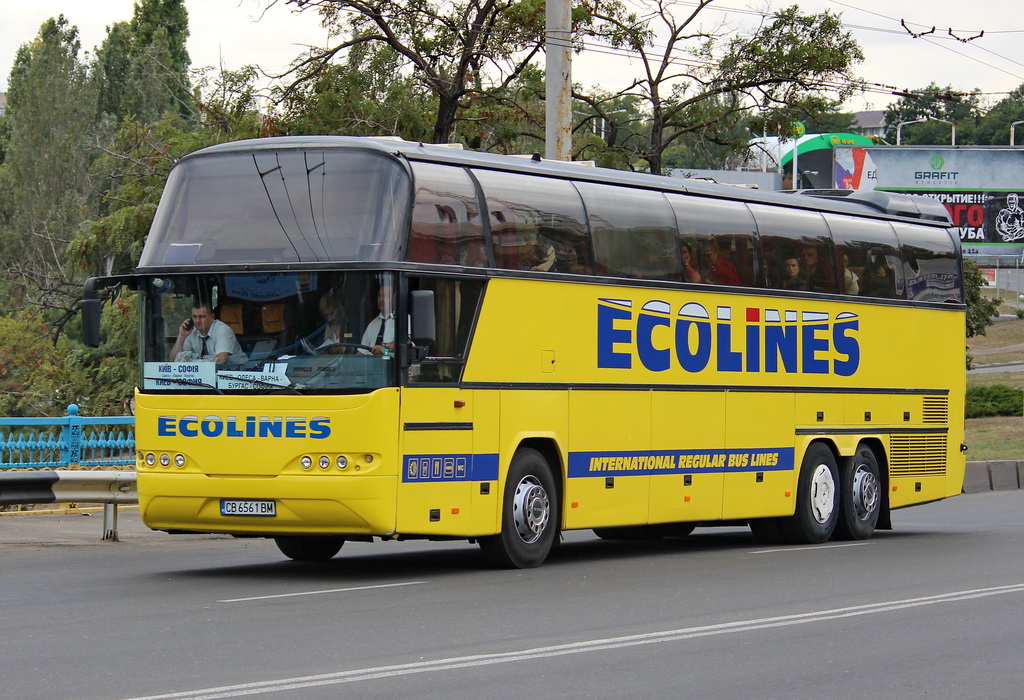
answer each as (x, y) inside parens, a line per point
(189, 325)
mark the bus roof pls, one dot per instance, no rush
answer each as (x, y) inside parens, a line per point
(854, 202)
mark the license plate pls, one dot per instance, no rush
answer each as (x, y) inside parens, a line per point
(246, 507)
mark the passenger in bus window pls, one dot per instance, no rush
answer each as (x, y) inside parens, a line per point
(203, 337)
(714, 270)
(690, 273)
(879, 280)
(851, 283)
(792, 277)
(539, 256)
(333, 314)
(379, 335)
(817, 273)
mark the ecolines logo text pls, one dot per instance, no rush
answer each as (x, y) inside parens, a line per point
(316, 428)
(761, 340)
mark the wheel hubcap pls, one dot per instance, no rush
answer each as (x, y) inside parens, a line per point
(865, 493)
(530, 509)
(823, 493)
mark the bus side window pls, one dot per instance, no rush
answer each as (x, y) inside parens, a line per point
(930, 265)
(788, 232)
(446, 225)
(869, 251)
(455, 305)
(724, 227)
(536, 223)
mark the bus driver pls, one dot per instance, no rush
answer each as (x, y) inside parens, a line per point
(203, 337)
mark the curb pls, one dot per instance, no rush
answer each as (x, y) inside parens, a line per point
(995, 475)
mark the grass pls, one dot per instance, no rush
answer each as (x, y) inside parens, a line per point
(1001, 437)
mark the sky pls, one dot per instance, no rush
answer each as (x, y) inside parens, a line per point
(233, 33)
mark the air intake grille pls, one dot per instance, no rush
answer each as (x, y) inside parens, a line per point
(935, 409)
(917, 455)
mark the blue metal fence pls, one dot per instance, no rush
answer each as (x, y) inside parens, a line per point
(70, 441)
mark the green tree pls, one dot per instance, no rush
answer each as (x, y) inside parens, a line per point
(698, 81)
(936, 105)
(980, 310)
(994, 128)
(142, 67)
(459, 50)
(44, 183)
(366, 95)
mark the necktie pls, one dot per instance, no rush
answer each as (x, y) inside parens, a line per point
(205, 351)
(380, 333)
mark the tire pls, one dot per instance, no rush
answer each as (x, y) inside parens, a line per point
(817, 506)
(860, 496)
(529, 514)
(309, 547)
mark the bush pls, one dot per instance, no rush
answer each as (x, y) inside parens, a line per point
(994, 400)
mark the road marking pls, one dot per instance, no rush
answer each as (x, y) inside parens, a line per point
(805, 548)
(458, 662)
(327, 590)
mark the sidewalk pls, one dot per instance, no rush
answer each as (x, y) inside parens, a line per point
(84, 526)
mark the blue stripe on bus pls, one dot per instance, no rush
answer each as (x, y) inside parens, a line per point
(647, 462)
(450, 467)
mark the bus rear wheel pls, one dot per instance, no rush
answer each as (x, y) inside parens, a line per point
(816, 504)
(529, 514)
(309, 547)
(860, 496)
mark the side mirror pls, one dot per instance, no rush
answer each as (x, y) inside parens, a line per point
(91, 309)
(423, 326)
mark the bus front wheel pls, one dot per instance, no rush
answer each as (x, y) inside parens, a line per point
(529, 514)
(817, 505)
(860, 496)
(309, 547)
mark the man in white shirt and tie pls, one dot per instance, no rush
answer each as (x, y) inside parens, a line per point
(380, 333)
(203, 337)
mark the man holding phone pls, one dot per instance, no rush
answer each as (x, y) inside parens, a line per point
(203, 337)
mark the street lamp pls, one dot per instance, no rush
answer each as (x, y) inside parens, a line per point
(1019, 121)
(947, 122)
(899, 128)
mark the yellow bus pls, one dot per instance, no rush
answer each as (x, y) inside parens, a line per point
(411, 341)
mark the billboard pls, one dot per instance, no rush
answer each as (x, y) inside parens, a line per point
(980, 186)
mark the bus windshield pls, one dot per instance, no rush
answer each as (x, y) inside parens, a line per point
(279, 206)
(306, 332)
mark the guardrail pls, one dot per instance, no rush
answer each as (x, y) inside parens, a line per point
(51, 486)
(47, 463)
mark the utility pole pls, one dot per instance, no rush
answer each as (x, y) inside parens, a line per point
(558, 81)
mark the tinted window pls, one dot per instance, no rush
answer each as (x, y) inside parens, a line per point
(446, 225)
(536, 223)
(793, 237)
(869, 256)
(280, 206)
(930, 263)
(721, 235)
(455, 306)
(634, 232)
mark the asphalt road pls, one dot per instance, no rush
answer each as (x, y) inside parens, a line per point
(931, 609)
